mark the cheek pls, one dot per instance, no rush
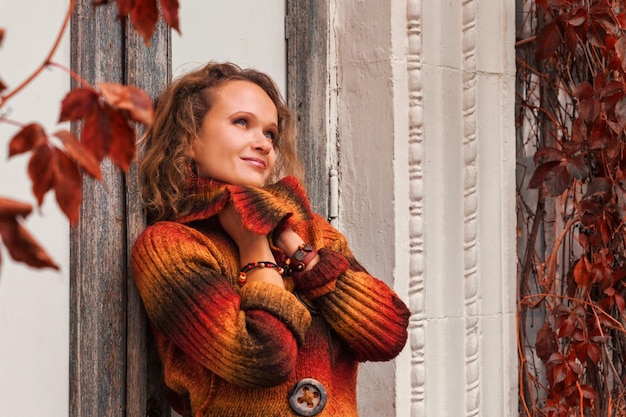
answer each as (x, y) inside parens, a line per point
(272, 158)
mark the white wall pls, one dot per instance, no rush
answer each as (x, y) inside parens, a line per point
(250, 33)
(34, 305)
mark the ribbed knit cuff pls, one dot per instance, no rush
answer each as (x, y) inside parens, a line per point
(278, 302)
(321, 279)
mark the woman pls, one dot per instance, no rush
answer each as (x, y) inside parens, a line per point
(257, 305)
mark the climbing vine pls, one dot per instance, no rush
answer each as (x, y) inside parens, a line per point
(571, 124)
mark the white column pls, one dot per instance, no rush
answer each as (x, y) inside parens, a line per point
(467, 173)
(426, 160)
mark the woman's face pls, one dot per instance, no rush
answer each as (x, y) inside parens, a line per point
(236, 141)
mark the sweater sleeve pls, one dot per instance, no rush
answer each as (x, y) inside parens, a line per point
(248, 337)
(363, 310)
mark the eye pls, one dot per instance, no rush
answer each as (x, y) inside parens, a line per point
(241, 122)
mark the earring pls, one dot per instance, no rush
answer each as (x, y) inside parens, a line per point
(193, 175)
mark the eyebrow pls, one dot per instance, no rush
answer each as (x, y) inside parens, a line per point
(273, 124)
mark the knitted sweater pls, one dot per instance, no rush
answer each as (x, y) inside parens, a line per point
(238, 351)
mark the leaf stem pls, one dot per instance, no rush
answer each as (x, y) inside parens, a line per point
(47, 60)
(73, 74)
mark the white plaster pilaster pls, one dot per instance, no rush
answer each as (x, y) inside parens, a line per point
(451, 77)
(467, 245)
(416, 292)
(470, 210)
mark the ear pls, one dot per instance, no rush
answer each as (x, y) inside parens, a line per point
(191, 151)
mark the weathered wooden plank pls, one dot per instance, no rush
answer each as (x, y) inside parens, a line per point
(97, 242)
(307, 82)
(113, 367)
(150, 69)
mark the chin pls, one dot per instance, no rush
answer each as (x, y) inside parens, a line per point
(251, 183)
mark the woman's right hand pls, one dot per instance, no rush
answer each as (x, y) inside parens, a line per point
(252, 247)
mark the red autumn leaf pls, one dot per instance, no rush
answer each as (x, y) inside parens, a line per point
(567, 327)
(548, 40)
(613, 298)
(610, 89)
(96, 134)
(67, 185)
(1, 35)
(122, 148)
(548, 154)
(571, 38)
(564, 319)
(597, 34)
(594, 352)
(619, 274)
(601, 273)
(584, 348)
(80, 154)
(575, 366)
(169, 8)
(601, 137)
(583, 90)
(620, 50)
(78, 103)
(589, 210)
(41, 171)
(571, 148)
(545, 344)
(588, 391)
(605, 231)
(558, 179)
(578, 18)
(541, 172)
(133, 99)
(21, 245)
(577, 167)
(582, 274)
(11, 208)
(31, 136)
(559, 373)
(600, 187)
(589, 109)
(555, 407)
(579, 131)
(144, 16)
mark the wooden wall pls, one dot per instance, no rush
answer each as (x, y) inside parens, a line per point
(113, 368)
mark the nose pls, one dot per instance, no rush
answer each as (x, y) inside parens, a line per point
(262, 143)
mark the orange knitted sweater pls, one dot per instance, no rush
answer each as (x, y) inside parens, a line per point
(240, 351)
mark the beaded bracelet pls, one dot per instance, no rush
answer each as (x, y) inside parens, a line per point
(300, 258)
(254, 265)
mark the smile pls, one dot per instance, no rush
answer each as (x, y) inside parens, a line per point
(259, 163)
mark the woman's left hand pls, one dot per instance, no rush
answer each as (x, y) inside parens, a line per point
(289, 241)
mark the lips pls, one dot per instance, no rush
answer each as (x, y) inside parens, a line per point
(259, 163)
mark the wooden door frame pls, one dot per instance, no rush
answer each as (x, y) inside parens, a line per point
(113, 366)
(307, 32)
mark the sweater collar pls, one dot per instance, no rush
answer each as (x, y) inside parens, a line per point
(261, 209)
